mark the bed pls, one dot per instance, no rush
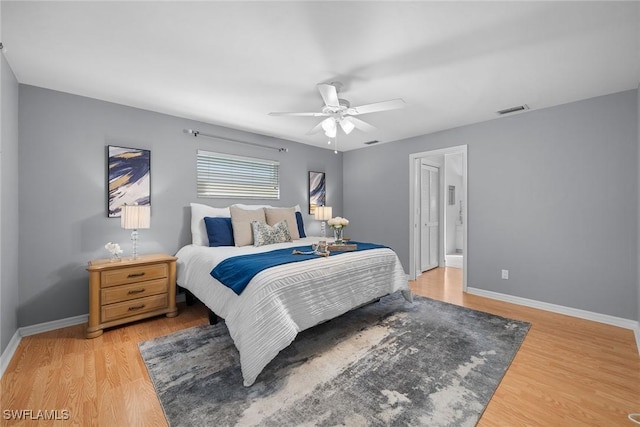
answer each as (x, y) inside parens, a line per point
(283, 300)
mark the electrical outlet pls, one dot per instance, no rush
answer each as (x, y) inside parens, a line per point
(505, 274)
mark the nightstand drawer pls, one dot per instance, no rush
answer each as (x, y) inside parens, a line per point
(131, 308)
(122, 276)
(137, 290)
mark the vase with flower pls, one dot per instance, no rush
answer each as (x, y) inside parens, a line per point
(114, 250)
(338, 224)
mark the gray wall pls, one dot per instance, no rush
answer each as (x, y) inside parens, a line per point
(8, 203)
(553, 197)
(62, 189)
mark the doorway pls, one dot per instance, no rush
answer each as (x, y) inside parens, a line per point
(430, 195)
(453, 216)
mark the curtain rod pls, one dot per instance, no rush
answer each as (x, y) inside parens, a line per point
(197, 133)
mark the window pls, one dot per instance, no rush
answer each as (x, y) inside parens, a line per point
(229, 176)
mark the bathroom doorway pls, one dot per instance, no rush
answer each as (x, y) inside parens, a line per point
(453, 212)
(451, 220)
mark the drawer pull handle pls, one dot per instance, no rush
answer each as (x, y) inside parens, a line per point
(135, 291)
(136, 307)
(136, 274)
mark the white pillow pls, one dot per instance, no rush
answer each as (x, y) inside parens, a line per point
(199, 235)
(250, 207)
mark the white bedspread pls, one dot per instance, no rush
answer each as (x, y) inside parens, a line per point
(281, 301)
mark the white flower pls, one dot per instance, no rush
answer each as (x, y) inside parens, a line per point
(113, 248)
(338, 222)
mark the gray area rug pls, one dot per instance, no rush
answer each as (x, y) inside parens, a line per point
(425, 363)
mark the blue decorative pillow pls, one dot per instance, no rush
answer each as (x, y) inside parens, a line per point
(264, 234)
(300, 225)
(219, 231)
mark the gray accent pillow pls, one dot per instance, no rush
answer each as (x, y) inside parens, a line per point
(264, 234)
(241, 221)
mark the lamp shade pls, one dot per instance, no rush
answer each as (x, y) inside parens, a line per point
(135, 217)
(322, 213)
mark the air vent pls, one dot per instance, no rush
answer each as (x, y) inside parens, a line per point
(375, 141)
(513, 109)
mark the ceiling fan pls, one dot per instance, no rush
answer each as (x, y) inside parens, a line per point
(340, 112)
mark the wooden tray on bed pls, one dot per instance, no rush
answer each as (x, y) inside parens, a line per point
(343, 247)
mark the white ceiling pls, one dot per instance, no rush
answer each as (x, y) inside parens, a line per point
(231, 63)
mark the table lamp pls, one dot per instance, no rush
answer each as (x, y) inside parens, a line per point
(323, 213)
(133, 218)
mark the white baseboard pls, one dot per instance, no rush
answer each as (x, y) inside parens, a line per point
(26, 331)
(39, 328)
(560, 309)
(8, 352)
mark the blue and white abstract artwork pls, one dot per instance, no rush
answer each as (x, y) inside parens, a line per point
(129, 178)
(317, 191)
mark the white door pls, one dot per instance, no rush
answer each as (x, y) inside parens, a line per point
(429, 210)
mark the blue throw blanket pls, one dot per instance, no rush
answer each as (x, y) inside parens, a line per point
(236, 272)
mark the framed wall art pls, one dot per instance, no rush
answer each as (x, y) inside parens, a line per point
(317, 191)
(129, 178)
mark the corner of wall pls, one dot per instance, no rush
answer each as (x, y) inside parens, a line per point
(7, 354)
(9, 297)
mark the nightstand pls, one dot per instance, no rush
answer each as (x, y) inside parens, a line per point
(128, 290)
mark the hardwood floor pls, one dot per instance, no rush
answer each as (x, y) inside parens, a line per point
(568, 371)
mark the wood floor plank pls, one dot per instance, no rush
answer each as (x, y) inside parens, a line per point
(568, 371)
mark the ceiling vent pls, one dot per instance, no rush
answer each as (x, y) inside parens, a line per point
(375, 141)
(513, 109)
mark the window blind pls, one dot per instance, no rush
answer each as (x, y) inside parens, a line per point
(228, 176)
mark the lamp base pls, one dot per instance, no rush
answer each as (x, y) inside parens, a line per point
(134, 240)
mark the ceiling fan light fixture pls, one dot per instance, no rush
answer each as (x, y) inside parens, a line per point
(330, 128)
(339, 111)
(328, 124)
(347, 125)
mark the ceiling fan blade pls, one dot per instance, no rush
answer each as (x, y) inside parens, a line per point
(329, 94)
(392, 104)
(299, 114)
(316, 129)
(361, 124)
